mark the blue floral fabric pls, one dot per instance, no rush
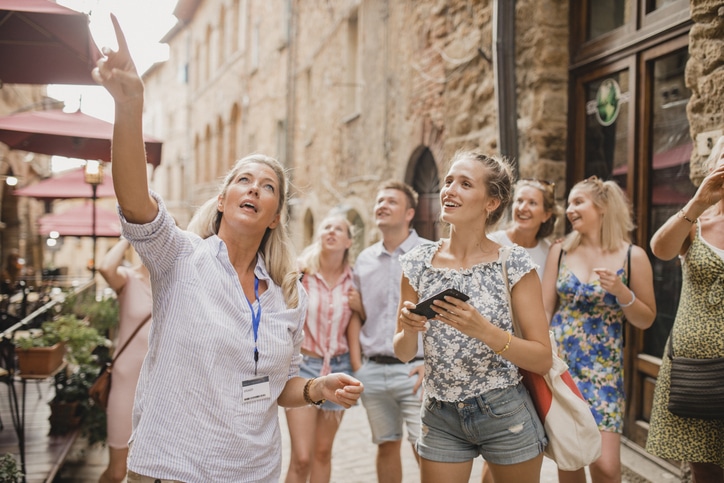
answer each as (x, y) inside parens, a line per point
(588, 329)
(457, 366)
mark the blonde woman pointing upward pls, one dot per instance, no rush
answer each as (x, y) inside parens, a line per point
(228, 311)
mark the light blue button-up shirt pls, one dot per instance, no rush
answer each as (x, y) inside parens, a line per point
(377, 276)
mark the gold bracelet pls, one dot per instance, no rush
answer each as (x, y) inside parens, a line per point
(506, 346)
(308, 399)
(683, 216)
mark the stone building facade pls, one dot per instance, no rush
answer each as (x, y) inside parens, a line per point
(348, 94)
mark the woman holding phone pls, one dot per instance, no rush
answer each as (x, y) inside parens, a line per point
(471, 355)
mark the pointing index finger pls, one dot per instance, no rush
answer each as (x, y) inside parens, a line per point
(120, 37)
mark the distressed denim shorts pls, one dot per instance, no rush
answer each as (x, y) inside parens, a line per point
(501, 425)
(312, 367)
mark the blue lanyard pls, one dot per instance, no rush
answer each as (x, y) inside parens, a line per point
(255, 319)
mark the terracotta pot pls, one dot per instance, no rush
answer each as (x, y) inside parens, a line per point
(38, 361)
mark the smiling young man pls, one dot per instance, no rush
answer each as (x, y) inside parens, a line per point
(391, 396)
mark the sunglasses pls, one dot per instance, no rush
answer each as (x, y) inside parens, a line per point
(544, 183)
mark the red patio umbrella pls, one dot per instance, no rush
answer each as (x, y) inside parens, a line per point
(70, 134)
(42, 42)
(78, 221)
(68, 185)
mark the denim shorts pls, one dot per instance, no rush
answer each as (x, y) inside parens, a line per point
(312, 367)
(501, 425)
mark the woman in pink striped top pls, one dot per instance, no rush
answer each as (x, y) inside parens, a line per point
(327, 278)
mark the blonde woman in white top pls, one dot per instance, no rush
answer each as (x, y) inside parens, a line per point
(534, 216)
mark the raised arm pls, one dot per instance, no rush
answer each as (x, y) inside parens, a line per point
(108, 267)
(674, 236)
(117, 73)
(642, 312)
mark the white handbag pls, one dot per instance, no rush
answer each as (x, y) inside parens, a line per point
(574, 440)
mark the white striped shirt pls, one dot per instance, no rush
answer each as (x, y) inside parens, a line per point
(328, 314)
(189, 421)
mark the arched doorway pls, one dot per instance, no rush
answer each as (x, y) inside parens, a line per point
(423, 177)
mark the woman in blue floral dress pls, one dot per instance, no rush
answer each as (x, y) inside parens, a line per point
(475, 403)
(587, 296)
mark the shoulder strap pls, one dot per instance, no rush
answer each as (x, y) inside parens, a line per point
(131, 338)
(560, 257)
(628, 265)
(504, 253)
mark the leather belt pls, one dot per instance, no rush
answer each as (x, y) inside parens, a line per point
(390, 359)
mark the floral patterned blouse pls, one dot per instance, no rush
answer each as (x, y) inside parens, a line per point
(459, 367)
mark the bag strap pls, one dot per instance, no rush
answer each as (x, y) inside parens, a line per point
(628, 265)
(560, 257)
(123, 347)
(628, 284)
(670, 344)
(504, 253)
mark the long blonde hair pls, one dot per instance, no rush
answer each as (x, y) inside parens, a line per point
(309, 259)
(616, 223)
(276, 248)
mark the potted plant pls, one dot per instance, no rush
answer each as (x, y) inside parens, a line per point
(9, 471)
(71, 400)
(79, 337)
(39, 354)
(64, 335)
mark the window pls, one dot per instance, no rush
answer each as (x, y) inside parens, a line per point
(352, 80)
(607, 127)
(255, 48)
(605, 16)
(222, 37)
(671, 188)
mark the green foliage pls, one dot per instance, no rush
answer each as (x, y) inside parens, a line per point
(103, 313)
(80, 339)
(73, 386)
(42, 340)
(9, 470)
(93, 427)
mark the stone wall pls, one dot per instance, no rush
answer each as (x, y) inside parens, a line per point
(425, 80)
(705, 74)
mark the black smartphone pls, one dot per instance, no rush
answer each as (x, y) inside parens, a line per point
(425, 307)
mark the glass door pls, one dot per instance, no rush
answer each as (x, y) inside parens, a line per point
(666, 147)
(629, 124)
